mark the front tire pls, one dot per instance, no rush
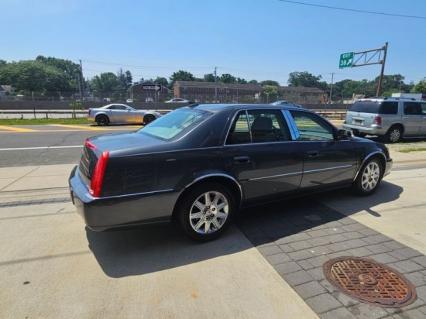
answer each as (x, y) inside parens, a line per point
(205, 212)
(148, 119)
(102, 120)
(369, 178)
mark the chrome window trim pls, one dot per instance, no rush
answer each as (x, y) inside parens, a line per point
(366, 159)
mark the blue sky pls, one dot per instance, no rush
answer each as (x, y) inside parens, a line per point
(260, 39)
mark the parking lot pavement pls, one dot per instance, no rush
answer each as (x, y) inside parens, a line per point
(268, 265)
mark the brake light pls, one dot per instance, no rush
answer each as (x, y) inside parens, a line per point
(378, 120)
(89, 144)
(98, 175)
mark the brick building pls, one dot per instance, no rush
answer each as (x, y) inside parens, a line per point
(226, 92)
(244, 93)
(302, 95)
(149, 92)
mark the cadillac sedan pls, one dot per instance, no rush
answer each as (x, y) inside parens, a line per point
(121, 114)
(199, 165)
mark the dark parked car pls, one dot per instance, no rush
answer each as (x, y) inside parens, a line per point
(200, 164)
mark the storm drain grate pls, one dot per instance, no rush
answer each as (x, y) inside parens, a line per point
(369, 281)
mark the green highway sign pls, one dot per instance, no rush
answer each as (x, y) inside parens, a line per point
(346, 60)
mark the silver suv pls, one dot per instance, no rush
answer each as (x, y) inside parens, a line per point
(392, 118)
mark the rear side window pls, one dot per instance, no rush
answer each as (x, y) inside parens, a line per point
(239, 132)
(388, 108)
(365, 107)
(267, 126)
(261, 126)
(412, 108)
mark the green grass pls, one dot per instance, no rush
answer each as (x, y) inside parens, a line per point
(42, 121)
(412, 149)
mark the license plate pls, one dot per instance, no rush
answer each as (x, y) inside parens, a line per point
(357, 122)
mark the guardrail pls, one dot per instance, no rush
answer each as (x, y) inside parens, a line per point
(28, 114)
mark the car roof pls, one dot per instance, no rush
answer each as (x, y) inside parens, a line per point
(222, 107)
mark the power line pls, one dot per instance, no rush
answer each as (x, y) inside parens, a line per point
(354, 10)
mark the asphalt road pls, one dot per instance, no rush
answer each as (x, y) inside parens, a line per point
(46, 144)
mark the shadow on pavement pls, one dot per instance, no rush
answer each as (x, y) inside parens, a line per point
(155, 248)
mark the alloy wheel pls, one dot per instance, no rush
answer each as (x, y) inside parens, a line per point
(370, 176)
(395, 135)
(209, 212)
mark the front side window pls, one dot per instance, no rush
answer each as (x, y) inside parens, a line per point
(175, 123)
(424, 108)
(311, 127)
(412, 108)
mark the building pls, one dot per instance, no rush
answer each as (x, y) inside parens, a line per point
(148, 92)
(302, 95)
(211, 92)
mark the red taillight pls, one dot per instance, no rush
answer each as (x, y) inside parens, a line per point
(90, 145)
(378, 120)
(98, 175)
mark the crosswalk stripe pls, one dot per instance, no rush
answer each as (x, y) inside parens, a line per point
(15, 129)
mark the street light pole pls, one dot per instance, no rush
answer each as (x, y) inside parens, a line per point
(331, 88)
(215, 86)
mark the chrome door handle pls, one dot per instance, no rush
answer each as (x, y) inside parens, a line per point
(312, 154)
(241, 159)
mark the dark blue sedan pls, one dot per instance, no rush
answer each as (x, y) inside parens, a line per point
(200, 164)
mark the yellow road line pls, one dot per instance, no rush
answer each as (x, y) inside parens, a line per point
(16, 129)
(80, 127)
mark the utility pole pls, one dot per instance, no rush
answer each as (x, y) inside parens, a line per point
(81, 81)
(331, 87)
(379, 85)
(215, 86)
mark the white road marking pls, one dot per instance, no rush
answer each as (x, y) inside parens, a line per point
(39, 148)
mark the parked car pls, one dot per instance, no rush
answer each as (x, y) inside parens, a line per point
(200, 164)
(177, 100)
(284, 102)
(391, 118)
(121, 114)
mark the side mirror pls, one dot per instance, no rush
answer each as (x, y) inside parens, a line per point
(343, 134)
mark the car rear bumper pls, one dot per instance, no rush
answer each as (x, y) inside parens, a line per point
(366, 130)
(118, 211)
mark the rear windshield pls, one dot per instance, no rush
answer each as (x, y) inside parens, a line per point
(175, 123)
(375, 107)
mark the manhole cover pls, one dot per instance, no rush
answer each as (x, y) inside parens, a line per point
(369, 281)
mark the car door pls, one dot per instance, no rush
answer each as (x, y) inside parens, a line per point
(326, 161)
(258, 151)
(412, 118)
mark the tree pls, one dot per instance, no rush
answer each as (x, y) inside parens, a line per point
(306, 79)
(105, 84)
(270, 91)
(420, 87)
(209, 77)
(162, 81)
(227, 78)
(241, 81)
(182, 76)
(253, 82)
(125, 80)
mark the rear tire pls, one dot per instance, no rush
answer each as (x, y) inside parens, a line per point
(102, 120)
(369, 178)
(148, 119)
(394, 134)
(205, 211)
